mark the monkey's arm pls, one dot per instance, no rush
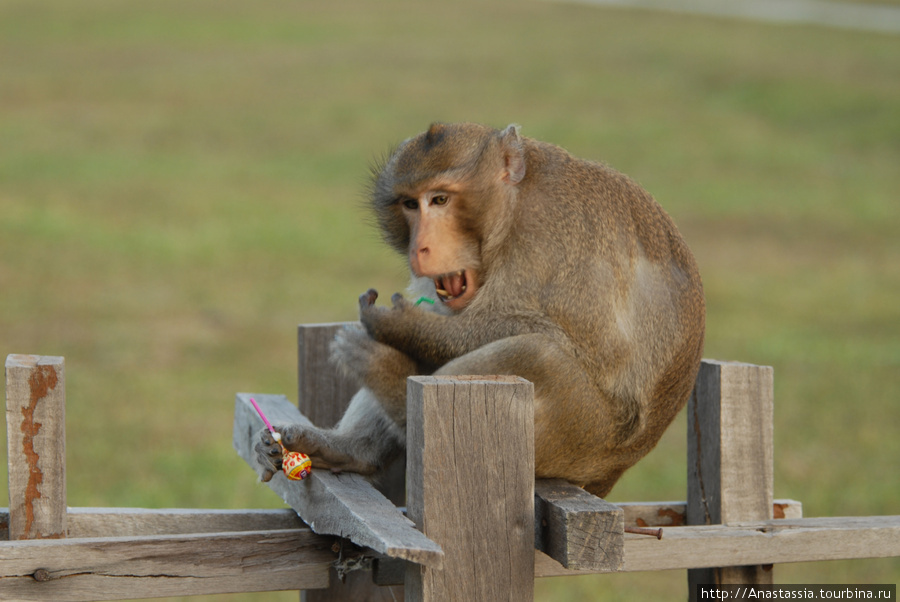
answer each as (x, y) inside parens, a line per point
(434, 339)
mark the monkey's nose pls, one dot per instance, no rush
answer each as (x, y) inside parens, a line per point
(421, 256)
(417, 258)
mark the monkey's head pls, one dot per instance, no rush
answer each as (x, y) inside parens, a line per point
(445, 198)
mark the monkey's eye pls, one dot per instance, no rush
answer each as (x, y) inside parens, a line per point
(411, 204)
(439, 199)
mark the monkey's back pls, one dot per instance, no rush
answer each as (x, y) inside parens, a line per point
(620, 282)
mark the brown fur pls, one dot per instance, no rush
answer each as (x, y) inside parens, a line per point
(576, 280)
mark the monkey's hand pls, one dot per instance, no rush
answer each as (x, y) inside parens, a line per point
(428, 337)
(383, 324)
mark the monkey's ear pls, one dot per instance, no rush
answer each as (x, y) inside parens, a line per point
(434, 134)
(513, 154)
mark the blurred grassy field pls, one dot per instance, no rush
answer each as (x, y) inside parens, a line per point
(180, 185)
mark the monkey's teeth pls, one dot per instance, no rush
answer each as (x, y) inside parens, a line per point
(451, 285)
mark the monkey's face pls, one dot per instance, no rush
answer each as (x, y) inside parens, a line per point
(443, 197)
(440, 248)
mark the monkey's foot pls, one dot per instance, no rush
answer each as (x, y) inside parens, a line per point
(322, 447)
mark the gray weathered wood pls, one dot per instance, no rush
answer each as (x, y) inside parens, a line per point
(36, 440)
(123, 522)
(470, 475)
(156, 566)
(672, 514)
(577, 529)
(335, 504)
(730, 457)
(754, 543)
(636, 514)
(323, 393)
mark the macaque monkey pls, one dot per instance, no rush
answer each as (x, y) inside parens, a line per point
(559, 270)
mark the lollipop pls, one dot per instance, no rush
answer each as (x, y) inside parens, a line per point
(296, 466)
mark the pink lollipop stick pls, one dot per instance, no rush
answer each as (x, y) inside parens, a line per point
(263, 416)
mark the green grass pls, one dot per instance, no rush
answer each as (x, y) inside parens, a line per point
(180, 185)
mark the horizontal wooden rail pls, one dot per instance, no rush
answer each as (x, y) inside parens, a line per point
(764, 542)
(674, 514)
(114, 568)
(123, 522)
(108, 568)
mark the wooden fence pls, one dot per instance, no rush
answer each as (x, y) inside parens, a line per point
(476, 525)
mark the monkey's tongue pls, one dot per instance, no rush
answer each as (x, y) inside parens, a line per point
(450, 286)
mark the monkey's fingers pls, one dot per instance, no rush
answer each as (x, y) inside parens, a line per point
(268, 456)
(368, 298)
(398, 301)
(265, 467)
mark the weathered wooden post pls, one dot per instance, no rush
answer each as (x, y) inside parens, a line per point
(470, 486)
(323, 395)
(730, 458)
(36, 439)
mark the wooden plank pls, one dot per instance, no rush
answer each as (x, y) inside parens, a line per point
(124, 522)
(36, 441)
(577, 529)
(672, 514)
(730, 458)
(470, 475)
(121, 522)
(755, 543)
(156, 566)
(731, 453)
(344, 504)
(636, 514)
(323, 393)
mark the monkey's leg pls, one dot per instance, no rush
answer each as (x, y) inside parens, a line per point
(543, 359)
(364, 441)
(575, 423)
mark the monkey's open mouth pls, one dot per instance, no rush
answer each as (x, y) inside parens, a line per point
(451, 286)
(455, 288)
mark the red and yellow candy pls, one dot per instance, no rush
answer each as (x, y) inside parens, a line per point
(296, 466)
